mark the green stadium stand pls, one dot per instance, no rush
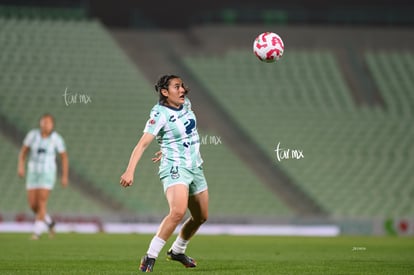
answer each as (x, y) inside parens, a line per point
(31, 12)
(357, 159)
(48, 59)
(394, 71)
(234, 191)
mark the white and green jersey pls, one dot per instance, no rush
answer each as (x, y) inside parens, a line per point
(43, 151)
(176, 132)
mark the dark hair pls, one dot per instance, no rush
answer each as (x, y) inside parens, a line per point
(48, 115)
(163, 83)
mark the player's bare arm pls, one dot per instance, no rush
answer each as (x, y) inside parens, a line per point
(127, 177)
(22, 159)
(65, 168)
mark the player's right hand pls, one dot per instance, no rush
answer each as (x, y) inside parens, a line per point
(126, 179)
(64, 180)
(21, 172)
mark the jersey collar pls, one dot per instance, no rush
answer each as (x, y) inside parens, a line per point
(172, 108)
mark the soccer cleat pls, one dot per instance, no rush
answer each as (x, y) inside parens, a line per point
(182, 258)
(147, 264)
(34, 237)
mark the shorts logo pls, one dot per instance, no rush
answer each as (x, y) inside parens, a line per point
(174, 172)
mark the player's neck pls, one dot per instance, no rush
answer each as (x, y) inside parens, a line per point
(44, 134)
(173, 106)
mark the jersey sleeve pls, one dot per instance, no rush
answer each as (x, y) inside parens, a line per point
(155, 123)
(28, 140)
(60, 144)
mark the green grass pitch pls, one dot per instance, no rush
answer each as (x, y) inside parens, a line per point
(119, 254)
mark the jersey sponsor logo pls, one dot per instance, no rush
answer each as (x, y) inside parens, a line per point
(187, 144)
(41, 151)
(189, 126)
(174, 172)
(183, 114)
(172, 118)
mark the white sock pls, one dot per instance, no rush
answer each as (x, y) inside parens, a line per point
(39, 227)
(179, 246)
(47, 219)
(155, 247)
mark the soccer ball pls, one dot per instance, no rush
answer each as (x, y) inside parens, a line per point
(268, 47)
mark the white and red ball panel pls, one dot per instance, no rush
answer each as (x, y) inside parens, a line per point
(268, 47)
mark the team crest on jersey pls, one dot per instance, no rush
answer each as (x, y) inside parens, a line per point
(174, 172)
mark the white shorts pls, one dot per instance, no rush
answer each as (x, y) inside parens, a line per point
(40, 180)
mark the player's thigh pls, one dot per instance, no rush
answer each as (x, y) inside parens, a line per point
(177, 197)
(43, 195)
(198, 205)
(32, 197)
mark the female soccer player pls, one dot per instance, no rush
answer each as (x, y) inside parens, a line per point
(42, 144)
(173, 123)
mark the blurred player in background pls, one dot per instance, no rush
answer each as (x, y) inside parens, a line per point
(43, 144)
(173, 123)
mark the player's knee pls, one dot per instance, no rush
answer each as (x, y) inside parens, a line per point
(34, 206)
(177, 215)
(204, 219)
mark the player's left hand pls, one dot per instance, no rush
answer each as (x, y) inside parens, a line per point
(64, 181)
(157, 157)
(21, 171)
